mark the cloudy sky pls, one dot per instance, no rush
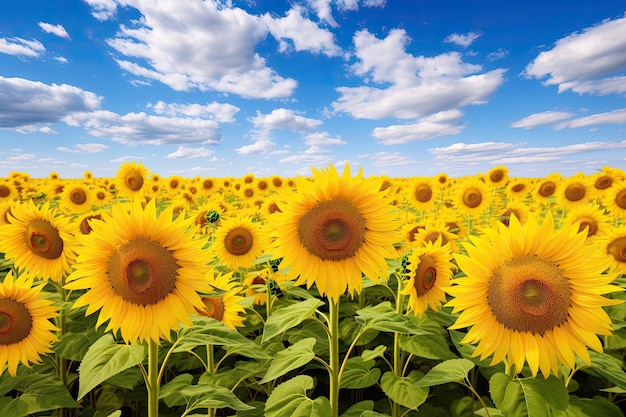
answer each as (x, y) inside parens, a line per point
(397, 87)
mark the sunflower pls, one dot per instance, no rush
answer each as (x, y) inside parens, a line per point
(77, 197)
(498, 176)
(8, 192)
(589, 218)
(224, 305)
(613, 242)
(421, 193)
(238, 241)
(544, 191)
(614, 199)
(130, 181)
(518, 189)
(333, 229)
(39, 240)
(471, 197)
(575, 190)
(26, 331)
(143, 271)
(428, 271)
(532, 294)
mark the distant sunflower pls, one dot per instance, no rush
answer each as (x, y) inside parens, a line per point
(8, 192)
(471, 197)
(614, 199)
(528, 296)
(575, 190)
(421, 193)
(39, 239)
(255, 284)
(333, 229)
(77, 197)
(238, 241)
(588, 218)
(26, 330)
(544, 191)
(613, 242)
(131, 180)
(142, 271)
(428, 271)
(498, 176)
(224, 305)
(518, 189)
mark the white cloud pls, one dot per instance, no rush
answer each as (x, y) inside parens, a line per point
(495, 55)
(25, 103)
(304, 33)
(444, 123)
(313, 156)
(463, 40)
(588, 62)
(220, 112)
(259, 146)
(195, 44)
(57, 30)
(611, 117)
(420, 85)
(21, 47)
(141, 128)
(322, 139)
(323, 8)
(282, 118)
(385, 159)
(102, 9)
(540, 119)
(191, 153)
(84, 148)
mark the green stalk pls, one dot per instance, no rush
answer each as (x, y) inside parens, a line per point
(333, 374)
(153, 379)
(398, 366)
(210, 367)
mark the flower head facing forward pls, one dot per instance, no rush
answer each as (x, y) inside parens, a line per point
(528, 298)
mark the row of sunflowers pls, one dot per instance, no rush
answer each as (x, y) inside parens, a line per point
(332, 294)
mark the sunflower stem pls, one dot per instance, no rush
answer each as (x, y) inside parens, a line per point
(153, 379)
(210, 368)
(334, 358)
(397, 351)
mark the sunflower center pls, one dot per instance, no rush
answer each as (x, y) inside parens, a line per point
(590, 224)
(85, 227)
(603, 182)
(134, 181)
(496, 176)
(15, 321)
(518, 188)
(78, 196)
(617, 248)
(238, 241)
(423, 193)
(332, 230)
(214, 307)
(547, 188)
(472, 198)
(575, 192)
(4, 191)
(43, 239)
(142, 271)
(425, 275)
(620, 199)
(528, 294)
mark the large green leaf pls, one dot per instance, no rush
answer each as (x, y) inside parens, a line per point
(74, 346)
(211, 396)
(39, 392)
(104, 359)
(170, 393)
(592, 407)
(452, 370)
(605, 366)
(290, 399)
(432, 346)
(295, 356)
(230, 377)
(285, 318)
(383, 317)
(359, 373)
(528, 397)
(357, 409)
(403, 390)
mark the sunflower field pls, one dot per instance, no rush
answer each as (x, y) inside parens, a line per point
(331, 294)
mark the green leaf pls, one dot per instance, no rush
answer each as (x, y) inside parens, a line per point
(208, 331)
(308, 329)
(592, 407)
(230, 377)
(295, 356)
(384, 318)
(104, 359)
(378, 352)
(452, 370)
(290, 399)
(40, 392)
(359, 373)
(432, 346)
(110, 400)
(605, 366)
(368, 413)
(522, 397)
(74, 346)
(285, 318)
(211, 396)
(170, 393)
(357, 409)
(403, 390)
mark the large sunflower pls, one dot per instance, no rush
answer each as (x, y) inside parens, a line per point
(143, 271)
(333, 229)
(428, 271)
(26, 331)
(238, 241)
(533, 294)
(39, 239)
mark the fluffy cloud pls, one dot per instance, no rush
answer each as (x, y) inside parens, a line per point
(284, 119)
(141, 128)
(84, 148)
(611, 117)
(445, 123)
(191, 153)
(57, 30)
(21, 47)
(25, 103)
(324, 12)
(220, 112)
(540, 119)
(463, 40)
(312, 156)
(590, 62)
(322, 139)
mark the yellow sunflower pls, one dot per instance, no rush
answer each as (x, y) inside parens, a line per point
(333, 229)
(224, 305)
(575, 190)
(26, 331)
(471, 197)
(255, 283)
(131, 180)
(544, 191)
(613, 242)
(421, 193)
(589, 218)
(238, 241)
(498, 176)
(8, 192)
(614, 199)
(142, 271)
(428, 271)
(39, 239)
(77, 197)
(532, 294)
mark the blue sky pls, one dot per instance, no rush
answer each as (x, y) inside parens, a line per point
(226, 88)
